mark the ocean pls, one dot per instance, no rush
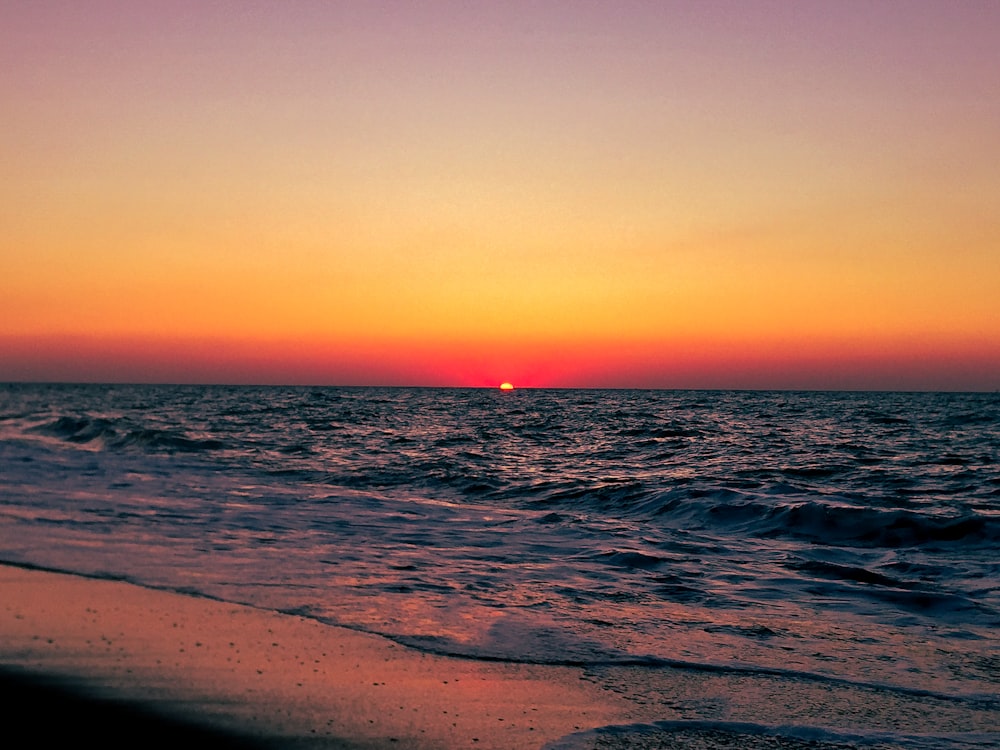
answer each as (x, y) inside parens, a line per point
(789, 543)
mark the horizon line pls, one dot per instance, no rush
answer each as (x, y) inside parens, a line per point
(689, 389)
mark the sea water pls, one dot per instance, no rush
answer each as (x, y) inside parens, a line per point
(830, 541)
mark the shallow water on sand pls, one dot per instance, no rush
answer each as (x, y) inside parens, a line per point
(822, 539)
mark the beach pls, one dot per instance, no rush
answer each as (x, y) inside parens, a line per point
(267, 679)
(113, 660)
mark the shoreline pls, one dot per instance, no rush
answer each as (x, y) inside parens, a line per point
(143, 656)
(117, 661)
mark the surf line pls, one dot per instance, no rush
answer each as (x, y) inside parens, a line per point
(958, 740)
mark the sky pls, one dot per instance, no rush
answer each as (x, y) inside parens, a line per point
(556, 194)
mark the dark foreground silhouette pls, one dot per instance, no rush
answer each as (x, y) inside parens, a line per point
(55, 713)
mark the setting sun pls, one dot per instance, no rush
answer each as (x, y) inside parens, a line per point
(610, 198)
(506, 387)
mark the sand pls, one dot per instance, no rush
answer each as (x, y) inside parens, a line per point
(135, 659)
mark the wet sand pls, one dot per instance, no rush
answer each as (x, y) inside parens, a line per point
(112, 659)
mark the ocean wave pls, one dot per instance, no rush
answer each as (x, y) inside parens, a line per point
(816, 519)
(116, 435)
(77, 429)
(849, 573)
(827, 524)
(834, 581)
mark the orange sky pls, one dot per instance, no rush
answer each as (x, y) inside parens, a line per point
(654, 194)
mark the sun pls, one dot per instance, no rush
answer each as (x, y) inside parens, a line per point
(506, 387)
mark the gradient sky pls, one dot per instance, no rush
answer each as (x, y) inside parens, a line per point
(655, 194)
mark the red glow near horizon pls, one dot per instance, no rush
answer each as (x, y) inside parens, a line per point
(69, 359)
(592, 199)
